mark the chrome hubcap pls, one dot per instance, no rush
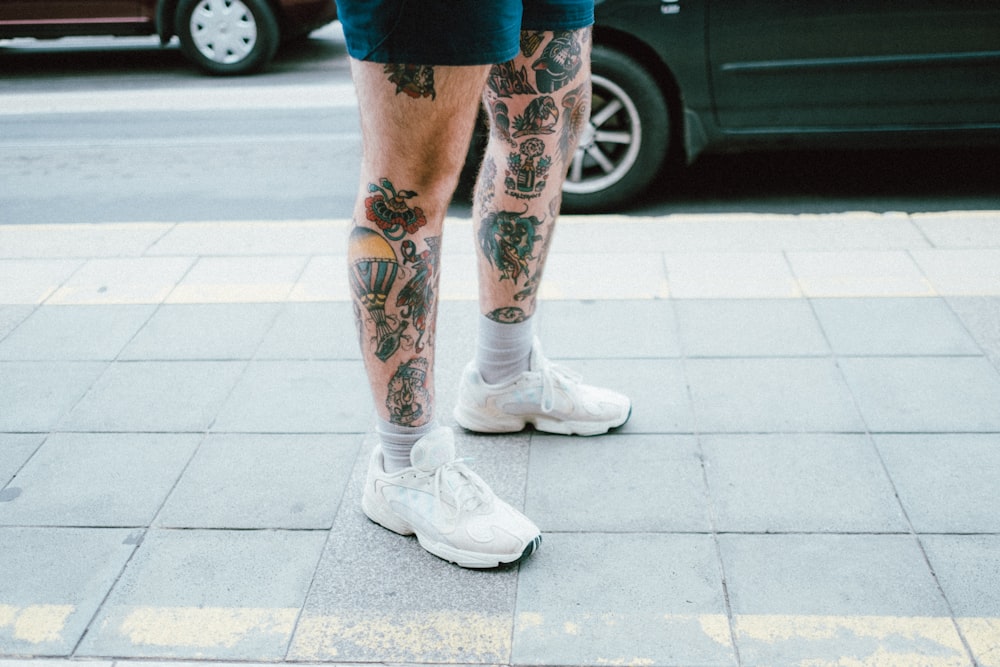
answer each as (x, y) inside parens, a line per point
(224, 31)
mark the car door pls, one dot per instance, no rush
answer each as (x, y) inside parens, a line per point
(787, 64)
(40, 18)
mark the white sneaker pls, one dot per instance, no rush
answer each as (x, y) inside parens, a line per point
(550, 397)
(452, 511)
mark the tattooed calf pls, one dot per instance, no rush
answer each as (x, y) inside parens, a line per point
(508, 241)
(508, 315)
(527, 170)
(408, 392)
(374, 269)
(418, 296)
(539, 117)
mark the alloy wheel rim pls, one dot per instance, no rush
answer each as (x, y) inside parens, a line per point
(609, 145)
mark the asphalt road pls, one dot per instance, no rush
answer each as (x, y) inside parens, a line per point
(98, 130)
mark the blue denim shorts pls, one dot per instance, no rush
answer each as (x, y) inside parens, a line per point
(452, 32)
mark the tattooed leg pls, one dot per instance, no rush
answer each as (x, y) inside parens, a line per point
(416, 125)
(538, 105)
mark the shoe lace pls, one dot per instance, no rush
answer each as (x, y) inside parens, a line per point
(466, 488)
(554, 375)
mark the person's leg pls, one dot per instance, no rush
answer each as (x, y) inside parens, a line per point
(414, 147)
(416, 127)
(538, 106)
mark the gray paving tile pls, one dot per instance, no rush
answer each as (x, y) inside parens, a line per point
(981, 316)
(749, 328)
(53, 662)
(84, 479)
(917, 326)
(947, 483)
(660, 402)
(203, 331)
(11, 316)
(15, 449)
(29, 282)
(312, 331)
(207, 594)
(960, 229)
(966, 272)
(799, 483)
(657, 484)
(53, 582)
(165, 396)
(637, 598)
(762, 395)
(252, 481)
(34, 395)
(80, 333)
(298, 397)
(837, 599)
(925, 394)
(968, 569)
(379, 597)
(608, 329)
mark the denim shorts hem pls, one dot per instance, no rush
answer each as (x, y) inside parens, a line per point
(451, 32)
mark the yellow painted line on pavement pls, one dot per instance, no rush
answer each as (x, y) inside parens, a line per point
(202, 627)
(791, 639)
(403, 637)
(855, 641)
(36, 623)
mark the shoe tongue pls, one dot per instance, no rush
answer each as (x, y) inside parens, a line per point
(434, 450)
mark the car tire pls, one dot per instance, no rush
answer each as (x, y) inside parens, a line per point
(625, 144)
(227, 37)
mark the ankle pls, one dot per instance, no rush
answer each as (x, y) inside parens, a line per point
(397, 442)
(503, 351)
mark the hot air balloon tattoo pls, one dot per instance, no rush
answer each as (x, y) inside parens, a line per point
(374, 269)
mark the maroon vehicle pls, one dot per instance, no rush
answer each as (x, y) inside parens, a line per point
(220, 36)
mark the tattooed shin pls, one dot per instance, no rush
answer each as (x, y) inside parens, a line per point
(508, 240)
(527, 170)
(408, 396)
(508, 315)
(379, 263)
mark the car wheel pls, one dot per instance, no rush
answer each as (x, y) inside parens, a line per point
(624, 146)
(227, 36)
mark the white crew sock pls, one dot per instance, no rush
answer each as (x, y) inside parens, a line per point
(397, 441)
(503, 351)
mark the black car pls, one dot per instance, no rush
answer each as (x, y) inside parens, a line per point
(677, 78)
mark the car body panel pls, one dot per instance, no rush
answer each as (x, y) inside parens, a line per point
(861, 64)
(63, 18)
(746, 74)
(44, 18)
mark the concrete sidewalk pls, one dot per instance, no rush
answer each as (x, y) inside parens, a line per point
(810, 476)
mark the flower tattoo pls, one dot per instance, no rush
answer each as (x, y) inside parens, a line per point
(388, 209)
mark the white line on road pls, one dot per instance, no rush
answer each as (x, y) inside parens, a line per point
(208, 140)
(182, 99)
